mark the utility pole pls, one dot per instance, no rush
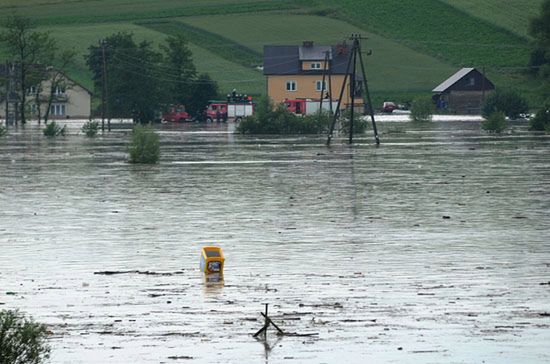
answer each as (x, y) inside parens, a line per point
(352, 91)
(355, 52)
(104, 96)
(482, 86)
(7, 91)
(367, 94)
(323, 83)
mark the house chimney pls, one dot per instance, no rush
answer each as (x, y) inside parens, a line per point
(342, 48)
(308, 44)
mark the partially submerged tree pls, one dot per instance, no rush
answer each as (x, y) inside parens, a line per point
(422, 109)
(541, 121)
(508, 101)
(134, 86)
(204, 90)
(139, 80)
(22, 340)
(178, 66)
(132, 76)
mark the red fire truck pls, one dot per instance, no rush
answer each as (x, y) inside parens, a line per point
(236, 108)
(176, 113)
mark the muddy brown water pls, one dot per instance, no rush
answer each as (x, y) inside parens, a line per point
(434, 247)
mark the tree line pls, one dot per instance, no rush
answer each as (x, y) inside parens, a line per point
(135, 79)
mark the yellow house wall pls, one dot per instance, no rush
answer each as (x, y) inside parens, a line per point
(305, 88)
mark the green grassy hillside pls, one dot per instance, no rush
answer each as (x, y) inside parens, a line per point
(386, 69)
(47, 12)
(438, 29)
(513, 15)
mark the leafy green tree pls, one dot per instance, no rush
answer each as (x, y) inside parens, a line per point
(495, 123)
(22, 340)
(540, 57)
(422, 109)
(57, 79)
(27, 48)
(134, 79)
(178, 66)
(541, 121)
(509, 101)
(204, 89)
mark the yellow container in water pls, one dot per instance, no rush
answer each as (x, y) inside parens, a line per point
(212, 259)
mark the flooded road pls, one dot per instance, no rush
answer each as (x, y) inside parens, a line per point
(434, 247)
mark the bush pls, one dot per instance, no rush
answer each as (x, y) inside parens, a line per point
(495, 123)
(360, 125)
(53, 129)
(271, 120)
(3, 130)
(90, 128)
(541, 121)
(21, 339)
(422, 109)
(144, 146)
(509, 101)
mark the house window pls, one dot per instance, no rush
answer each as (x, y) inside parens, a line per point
(316, 66)
(472, 81)
(320, 85)
(57, 110)
(34, 109)
(59, 91)
(291, 85)
(32, 90)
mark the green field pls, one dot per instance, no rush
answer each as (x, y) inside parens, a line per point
(513, 15)
(416, 44)
(385, 68)
(438, 29)
(44, 12)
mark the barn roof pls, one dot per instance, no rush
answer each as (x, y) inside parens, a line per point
(452, 80)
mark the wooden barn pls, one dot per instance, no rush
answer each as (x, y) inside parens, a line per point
(463, 92)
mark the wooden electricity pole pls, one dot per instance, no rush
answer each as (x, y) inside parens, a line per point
(355, 52)
(322, 95)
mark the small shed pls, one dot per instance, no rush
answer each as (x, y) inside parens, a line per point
(464, 92)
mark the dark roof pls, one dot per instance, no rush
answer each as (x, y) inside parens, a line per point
(455, 81)
(286, 60)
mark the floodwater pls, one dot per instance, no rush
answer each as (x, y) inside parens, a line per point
(432, 248)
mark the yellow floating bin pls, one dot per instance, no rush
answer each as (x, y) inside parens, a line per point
(212, 260)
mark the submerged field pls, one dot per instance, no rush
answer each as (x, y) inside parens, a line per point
(432, 248)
